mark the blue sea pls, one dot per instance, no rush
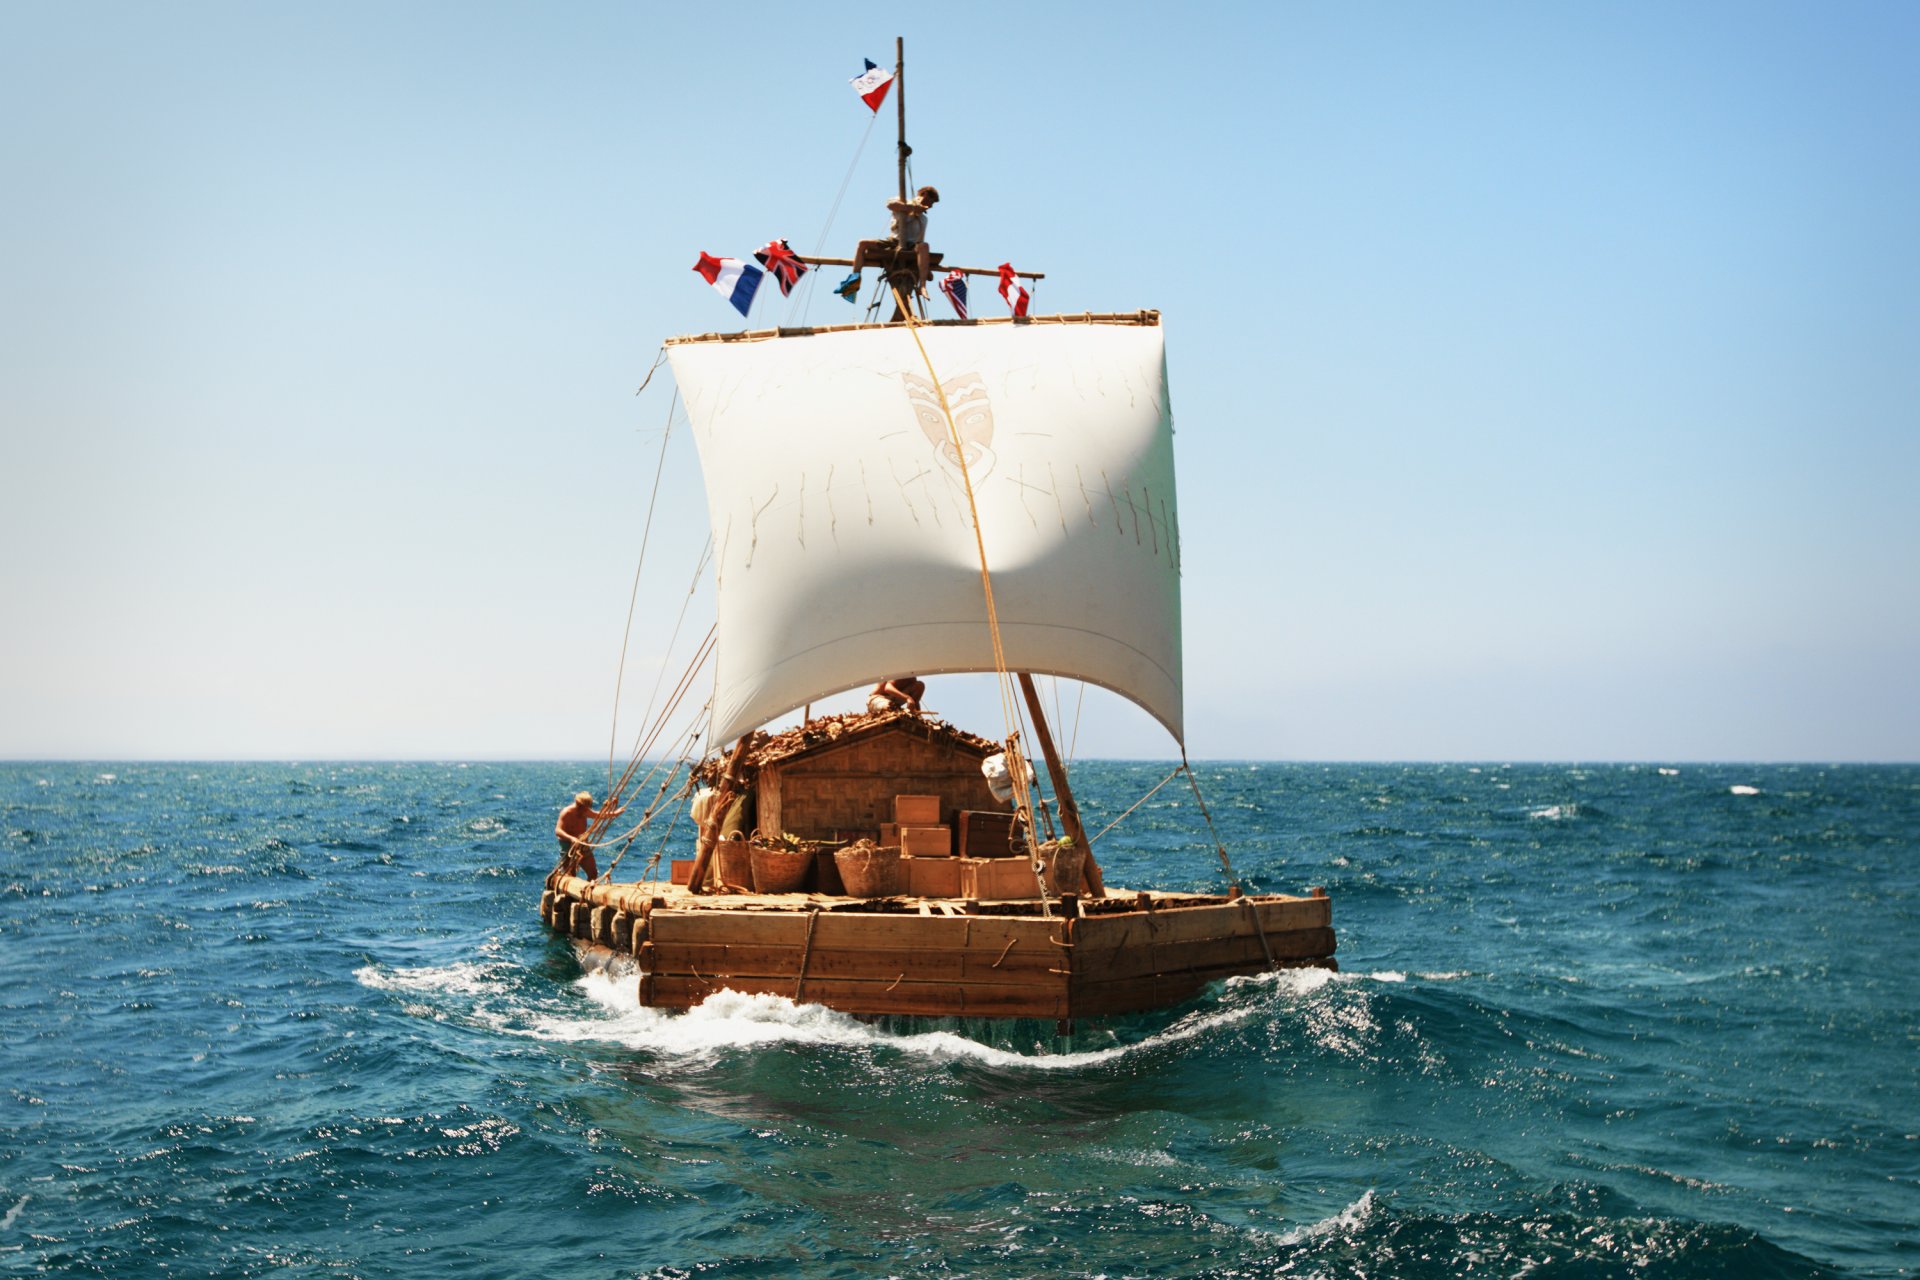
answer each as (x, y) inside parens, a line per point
(302, 1020)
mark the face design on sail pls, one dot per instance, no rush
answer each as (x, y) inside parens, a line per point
(972, 421)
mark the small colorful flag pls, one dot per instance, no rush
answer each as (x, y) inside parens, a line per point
(1016, 296)
(955, 287)
(849, 288)
(872, 85)
(780, 259)
(735, 280)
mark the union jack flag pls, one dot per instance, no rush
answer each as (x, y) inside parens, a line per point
(782, 263)
(955, 287)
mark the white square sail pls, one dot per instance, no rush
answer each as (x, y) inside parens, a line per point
(845, 551)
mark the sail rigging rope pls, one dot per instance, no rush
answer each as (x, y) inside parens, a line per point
(679, 622)
(805, 301)
(1177, 770)
(1012, 718)
(1226, 864)
(633, 596)
(658, 361)
(595, 835)
(1009, 706)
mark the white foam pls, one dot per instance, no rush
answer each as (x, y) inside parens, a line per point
(463, 978)
(729, 1019)
(1741, 789)
(732, 1020)
(1354, 1215)
(13, 1214)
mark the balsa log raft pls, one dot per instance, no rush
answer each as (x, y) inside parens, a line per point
(939, 958)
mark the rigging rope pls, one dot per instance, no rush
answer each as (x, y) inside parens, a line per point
(633, 596)
(979, 541)
(1016, 759)
(1177, 770)
(1226, 864)
(805, 301)
(656, 368)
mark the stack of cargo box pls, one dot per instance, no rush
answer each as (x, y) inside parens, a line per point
(927, 845)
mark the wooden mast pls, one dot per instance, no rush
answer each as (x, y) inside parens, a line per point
(710, 832)
(900, 106)
(1069, 811)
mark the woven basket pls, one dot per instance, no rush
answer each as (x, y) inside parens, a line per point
(871, 872)
(777, 870)
(733, 863)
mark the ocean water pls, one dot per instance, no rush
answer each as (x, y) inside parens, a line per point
(302, 1020)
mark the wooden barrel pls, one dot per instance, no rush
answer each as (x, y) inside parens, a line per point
(1064, 866)
(870, 872)
(778, 870)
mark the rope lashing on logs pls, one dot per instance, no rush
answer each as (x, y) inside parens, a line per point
(806, 954)
(1259, 931)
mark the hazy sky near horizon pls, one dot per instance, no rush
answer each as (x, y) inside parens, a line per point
(1546, 377)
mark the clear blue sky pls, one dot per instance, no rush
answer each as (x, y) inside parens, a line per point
(1546, 377)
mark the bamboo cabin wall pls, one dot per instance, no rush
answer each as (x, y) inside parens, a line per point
(846, 790)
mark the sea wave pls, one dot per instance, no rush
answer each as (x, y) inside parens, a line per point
(731, 1020)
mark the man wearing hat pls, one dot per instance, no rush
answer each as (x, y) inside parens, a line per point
(571, 828)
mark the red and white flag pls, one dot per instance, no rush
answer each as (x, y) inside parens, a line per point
(872, 85)
(1016, 296)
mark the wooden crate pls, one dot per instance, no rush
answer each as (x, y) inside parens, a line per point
(997, 879)
(933, 877)
(916, 811)
(986, 834)
(926, 842)
(682, 870)
(889, 835)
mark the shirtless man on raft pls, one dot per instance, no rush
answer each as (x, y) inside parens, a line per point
(571, 828)
(901, 692)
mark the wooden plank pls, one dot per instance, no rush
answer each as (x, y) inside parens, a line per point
(717, 960)
(1242, 954)
(1220, 920)
(1092, 999)
(854, 929)
(744, 928)
(1145, 318)
(915, 999)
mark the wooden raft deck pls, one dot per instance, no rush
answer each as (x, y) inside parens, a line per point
(942, 957)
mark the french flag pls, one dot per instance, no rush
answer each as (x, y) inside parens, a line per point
(872, 85)
(1015, 295)
(737, 281)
